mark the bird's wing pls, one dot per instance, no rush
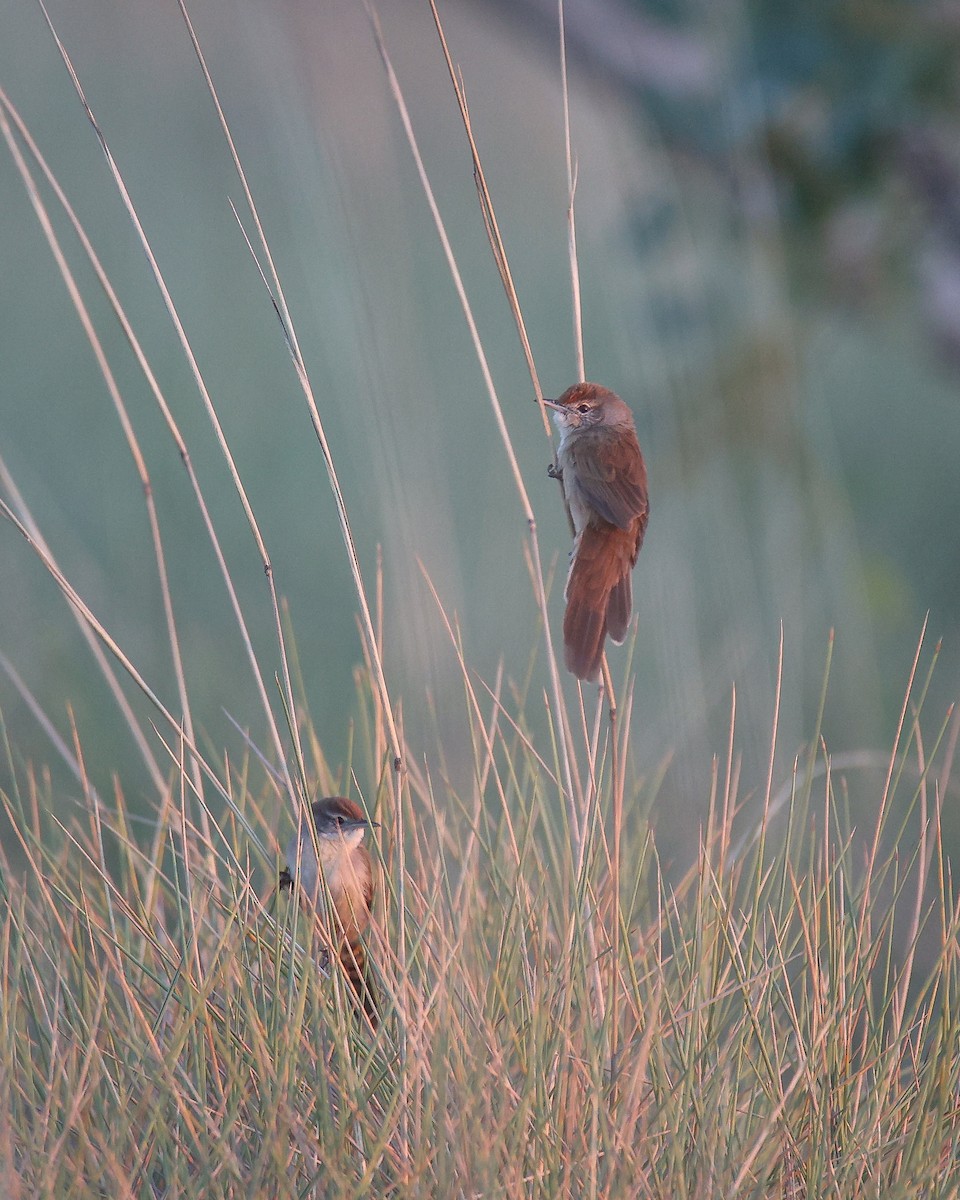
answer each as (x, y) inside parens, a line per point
(612, 478)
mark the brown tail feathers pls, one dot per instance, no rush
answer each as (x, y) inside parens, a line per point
(598, 595)
(353, 959)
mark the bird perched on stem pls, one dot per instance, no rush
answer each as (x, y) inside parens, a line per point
(605, 485)
(347, 870)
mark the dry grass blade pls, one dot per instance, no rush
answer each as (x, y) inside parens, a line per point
(210, 409)
(535, 557)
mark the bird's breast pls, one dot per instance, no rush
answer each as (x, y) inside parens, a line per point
(573, 491)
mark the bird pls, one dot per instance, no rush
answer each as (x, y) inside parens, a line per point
(348, 873)
(601, 467)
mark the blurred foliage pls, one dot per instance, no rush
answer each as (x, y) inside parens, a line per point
(841, 84)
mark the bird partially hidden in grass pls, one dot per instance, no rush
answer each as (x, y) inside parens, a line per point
(347, 871)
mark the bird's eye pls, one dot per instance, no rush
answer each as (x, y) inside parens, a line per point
(583, 408)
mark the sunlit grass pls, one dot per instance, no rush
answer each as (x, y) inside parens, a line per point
(787, 1021)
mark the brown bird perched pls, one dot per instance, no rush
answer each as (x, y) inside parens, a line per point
(605, 485)
(348, 873)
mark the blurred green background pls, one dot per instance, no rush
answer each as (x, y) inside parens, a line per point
(769, 233)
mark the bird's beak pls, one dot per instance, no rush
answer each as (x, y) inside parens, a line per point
(359, 823)
(554, 405)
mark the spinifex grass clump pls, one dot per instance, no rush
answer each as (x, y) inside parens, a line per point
(786, 1013)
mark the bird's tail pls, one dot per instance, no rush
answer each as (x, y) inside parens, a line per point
(598, 596)
(353, 959)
